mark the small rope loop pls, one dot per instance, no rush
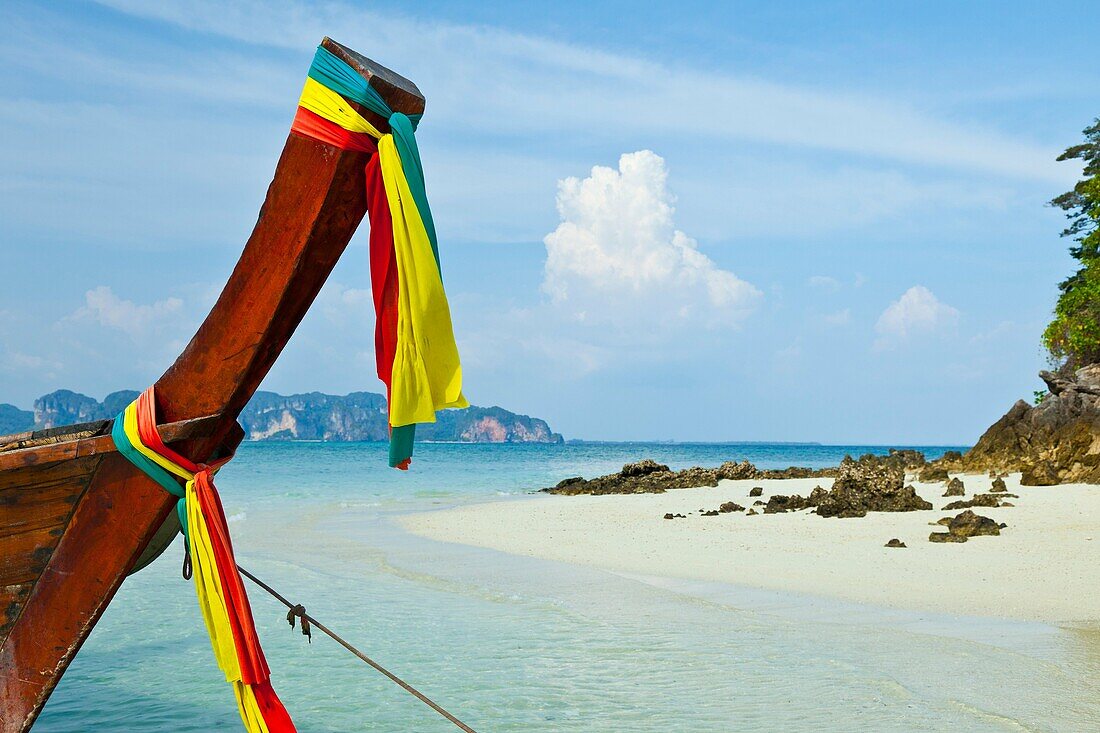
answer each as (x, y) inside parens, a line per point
(187, 569)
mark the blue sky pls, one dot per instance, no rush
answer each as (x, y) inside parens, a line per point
(829, 222)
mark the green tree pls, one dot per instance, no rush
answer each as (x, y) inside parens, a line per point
(1073, 337)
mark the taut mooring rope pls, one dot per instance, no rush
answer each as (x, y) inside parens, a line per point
(297, 610)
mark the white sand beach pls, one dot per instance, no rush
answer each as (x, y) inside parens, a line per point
(1044, 566)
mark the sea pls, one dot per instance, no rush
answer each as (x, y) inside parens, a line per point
(512, 643)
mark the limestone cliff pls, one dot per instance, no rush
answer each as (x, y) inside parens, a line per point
(359, 416)
(65, 407)
(315, 416)
(362, 416)
(1056, 441)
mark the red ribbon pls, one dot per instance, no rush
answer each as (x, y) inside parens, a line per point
(313, 125)
(250, 656)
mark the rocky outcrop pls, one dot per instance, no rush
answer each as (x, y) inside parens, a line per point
(895, 543)
(796, 472)
(738, 471)
(910, 460)
(1056, 441)
(932, 474)
(955, 487)
(871, 484)
(965, 525)
(1040, 473)
(643, 477)
(649, 477)
(986, 500)
(779, 503)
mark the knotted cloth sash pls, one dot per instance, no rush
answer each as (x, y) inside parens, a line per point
(415, 349)
(221, 593)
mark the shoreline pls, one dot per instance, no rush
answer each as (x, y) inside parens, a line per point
(1044, 566)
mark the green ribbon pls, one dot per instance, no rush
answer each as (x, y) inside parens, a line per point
(334, 73)
(149, 468)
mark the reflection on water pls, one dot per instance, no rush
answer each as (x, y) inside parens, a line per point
(514, 644)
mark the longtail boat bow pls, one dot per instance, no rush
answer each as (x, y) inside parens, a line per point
(77, 516)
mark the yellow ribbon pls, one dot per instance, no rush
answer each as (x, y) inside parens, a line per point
(427, 374)
(321, 100)
(208, 585)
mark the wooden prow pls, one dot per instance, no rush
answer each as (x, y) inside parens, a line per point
(304, 225)
(313, 206)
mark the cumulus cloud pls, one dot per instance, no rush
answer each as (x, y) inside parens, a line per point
(102, 306)
(617, 255)
(917, 312)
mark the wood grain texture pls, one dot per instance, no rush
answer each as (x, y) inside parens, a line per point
(61, 434)
(312, 208)
(30, 453)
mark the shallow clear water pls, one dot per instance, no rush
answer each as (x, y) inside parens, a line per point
(515, 644)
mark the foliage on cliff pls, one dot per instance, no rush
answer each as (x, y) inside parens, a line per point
(1073, 337)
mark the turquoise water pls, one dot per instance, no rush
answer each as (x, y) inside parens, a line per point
(515, 644)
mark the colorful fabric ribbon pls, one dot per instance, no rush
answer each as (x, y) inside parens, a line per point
(220, 590)
(417, 357)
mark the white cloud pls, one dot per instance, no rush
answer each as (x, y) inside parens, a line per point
(839, 318)
(917, 312)
(617, 254)
(104, 307)
(995, 334)
(451, 61)
(18, 362)
(824, 282)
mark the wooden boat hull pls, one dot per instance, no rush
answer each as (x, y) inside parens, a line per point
(76, 517)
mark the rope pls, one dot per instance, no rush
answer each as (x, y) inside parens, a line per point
(297, 610)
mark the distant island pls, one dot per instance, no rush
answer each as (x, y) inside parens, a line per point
(359, 416)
